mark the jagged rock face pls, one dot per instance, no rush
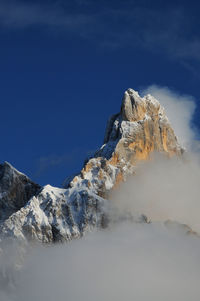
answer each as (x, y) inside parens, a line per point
(15, 190)
(133, 107)
(56, 214)
(140, 128)
(132, 135)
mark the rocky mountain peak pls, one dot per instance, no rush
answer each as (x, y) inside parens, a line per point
(52, 214)
(133, 107)
(7, 171)
(15, 190)
(140, 128)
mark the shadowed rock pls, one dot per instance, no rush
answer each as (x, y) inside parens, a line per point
(15, 190)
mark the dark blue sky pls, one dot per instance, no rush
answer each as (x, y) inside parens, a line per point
(64, 66)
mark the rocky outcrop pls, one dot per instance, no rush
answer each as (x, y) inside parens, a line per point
(16, 189)
(140, 128)
(56, 215)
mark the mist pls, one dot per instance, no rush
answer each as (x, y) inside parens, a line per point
(132, 259)
(163, 189)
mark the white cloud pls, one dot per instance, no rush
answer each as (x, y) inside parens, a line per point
(163, 189)
(130, 262)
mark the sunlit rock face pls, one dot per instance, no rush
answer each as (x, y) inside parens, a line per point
(140, 128)
(132, 135)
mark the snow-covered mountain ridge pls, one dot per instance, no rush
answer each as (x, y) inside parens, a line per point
(52, 214)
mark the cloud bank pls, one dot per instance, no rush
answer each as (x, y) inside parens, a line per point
(163, 189)
(130, 262)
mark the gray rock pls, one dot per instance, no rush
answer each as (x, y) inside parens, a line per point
(15, 190)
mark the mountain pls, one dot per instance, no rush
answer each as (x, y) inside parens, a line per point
(16, 189)
(51, 214)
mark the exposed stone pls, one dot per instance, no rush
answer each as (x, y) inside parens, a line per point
(56, 214)
(15, 190)
(132, 135)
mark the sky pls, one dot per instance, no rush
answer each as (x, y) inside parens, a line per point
(64, 66)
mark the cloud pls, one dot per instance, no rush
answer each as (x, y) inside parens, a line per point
(130, 262)
(20, 14)
(49, 162)
(111, 26)
(163, 189)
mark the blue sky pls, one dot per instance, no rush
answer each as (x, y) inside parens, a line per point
(64, 66)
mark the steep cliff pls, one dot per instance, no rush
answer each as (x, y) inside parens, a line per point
(16, 189)
(140, 128)
(132, 135)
